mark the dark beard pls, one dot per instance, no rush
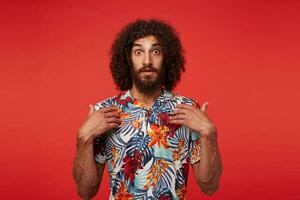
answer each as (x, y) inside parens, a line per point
(147, 86)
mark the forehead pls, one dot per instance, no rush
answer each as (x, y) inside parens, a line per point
(146, 41)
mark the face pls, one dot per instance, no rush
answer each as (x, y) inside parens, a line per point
(147, 59)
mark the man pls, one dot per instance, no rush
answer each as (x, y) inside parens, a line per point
(147, 135)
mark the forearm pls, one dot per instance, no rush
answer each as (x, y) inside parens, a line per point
(85, 171)
(209, 169)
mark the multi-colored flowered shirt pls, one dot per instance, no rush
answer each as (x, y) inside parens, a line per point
(147, 156)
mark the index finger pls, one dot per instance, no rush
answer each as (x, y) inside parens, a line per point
(109, 109)
(186, 106)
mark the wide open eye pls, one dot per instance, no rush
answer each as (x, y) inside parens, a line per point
(138, 52)
(156, 51)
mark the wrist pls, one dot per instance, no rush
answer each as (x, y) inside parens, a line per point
(84, 137)
(209, 131)
(210, 134)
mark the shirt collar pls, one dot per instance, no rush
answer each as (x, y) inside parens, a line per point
(164, 96)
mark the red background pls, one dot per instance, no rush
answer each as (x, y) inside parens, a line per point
(242, 57)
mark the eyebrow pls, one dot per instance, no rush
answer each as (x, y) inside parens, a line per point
(139, 45)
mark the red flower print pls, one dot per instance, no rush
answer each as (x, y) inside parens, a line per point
(165, 120)
(164, 198)
(185, 169)
(99, 145)
(132, 164)
(123, 101)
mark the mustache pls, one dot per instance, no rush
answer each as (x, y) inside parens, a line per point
(147, 68)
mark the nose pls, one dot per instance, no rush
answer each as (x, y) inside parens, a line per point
(147, 59)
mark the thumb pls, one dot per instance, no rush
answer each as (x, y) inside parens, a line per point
(91, 109)
(204, 107)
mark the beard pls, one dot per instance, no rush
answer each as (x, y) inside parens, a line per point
(147, 85)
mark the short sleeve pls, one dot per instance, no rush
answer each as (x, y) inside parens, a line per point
(99, 149)
(99, 142)
(195, 147)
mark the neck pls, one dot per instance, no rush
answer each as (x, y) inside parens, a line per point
(147, 99)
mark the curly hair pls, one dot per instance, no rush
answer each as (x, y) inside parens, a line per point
(173, 61)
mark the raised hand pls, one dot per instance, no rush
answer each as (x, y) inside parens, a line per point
(194, 118)
(99, 122)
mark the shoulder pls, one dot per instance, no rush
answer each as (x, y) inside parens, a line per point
(117, 100)
(105, 103)
(180, 99)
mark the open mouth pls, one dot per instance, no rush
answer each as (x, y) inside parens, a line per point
(148, 72)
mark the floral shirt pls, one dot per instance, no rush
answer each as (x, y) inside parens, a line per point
(147, 156)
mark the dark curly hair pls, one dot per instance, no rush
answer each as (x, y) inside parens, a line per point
(173, 61)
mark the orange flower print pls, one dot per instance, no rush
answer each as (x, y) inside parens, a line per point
(137, 103)
(156, 172)
(123, 193)
(179, 151)
(122, 115)
(181, 143)
(137, 123)
(176, 155)
(115, 156)
(181, 193)
(196, 151)
(158, 135)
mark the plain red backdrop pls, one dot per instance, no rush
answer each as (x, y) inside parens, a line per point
(242, 57)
